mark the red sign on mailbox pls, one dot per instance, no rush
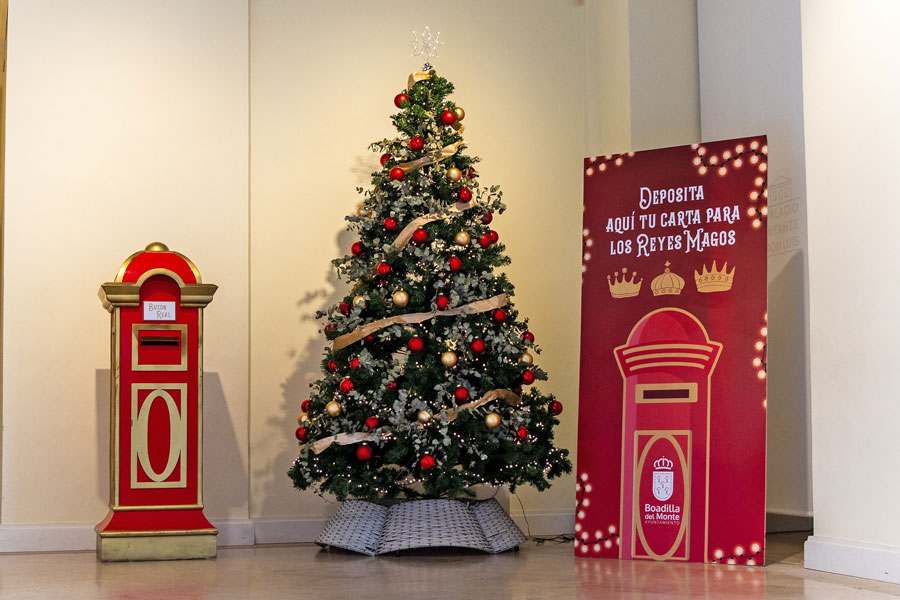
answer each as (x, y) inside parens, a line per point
(156, 483)
(672, 407)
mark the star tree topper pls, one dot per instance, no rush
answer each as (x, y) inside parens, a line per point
(425, 45)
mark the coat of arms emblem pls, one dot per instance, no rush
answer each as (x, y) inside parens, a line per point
(663, 479)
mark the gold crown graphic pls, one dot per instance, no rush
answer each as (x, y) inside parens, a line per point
(714, 280)
(667, 284)
(624, 288)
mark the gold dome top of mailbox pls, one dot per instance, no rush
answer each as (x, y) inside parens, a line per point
(156, 247)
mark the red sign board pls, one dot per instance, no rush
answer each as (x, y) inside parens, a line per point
(672, 409)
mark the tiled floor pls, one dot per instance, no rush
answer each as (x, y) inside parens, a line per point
(538, 571)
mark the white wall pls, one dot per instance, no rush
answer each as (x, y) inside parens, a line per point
(750, 84)
(851, 94)
(127, 123)
(323, 82)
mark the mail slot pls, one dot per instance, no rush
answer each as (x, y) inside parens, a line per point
(667, 365)
(156, 410)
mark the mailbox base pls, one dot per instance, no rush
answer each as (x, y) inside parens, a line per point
(158, 545)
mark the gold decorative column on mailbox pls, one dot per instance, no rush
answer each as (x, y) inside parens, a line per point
(156, 410)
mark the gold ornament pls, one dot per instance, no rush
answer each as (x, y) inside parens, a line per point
(462, 238)
(303, 419)
(401, 298)
(460, 113)
(454, 174)
(333, 408)
(363, 209)
(526, 358)
(360, 302)
(492, 420)
(424, 417)
(448, 359)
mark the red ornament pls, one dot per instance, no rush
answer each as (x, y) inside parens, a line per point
(470, 172)
(344, 307)
(390, 223)
(461, 395)
(383, 268)
(555, 408)
(329, 328)
(415, 344)
(477, 346)
(332, 366)
(397, 174)
(528, 337)
(427, 463)
(416, 143)
(370, 338)
(354, 363)
(442, 302)
(364, 452)
(346, 385)
(527, 376)
(448, 117)
(304, 406)
(358, 249)
(522, 433)
(465, 194)
(455, 264)
(399, 99)
(372, 422)
(485, 240)
(384, 158)
(301, 433)
(487, 218)
(498, 316)
(420, 236)
(494, 236)
(391, 386)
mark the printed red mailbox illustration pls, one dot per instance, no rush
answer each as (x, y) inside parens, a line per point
(667, 364)
(156, 410)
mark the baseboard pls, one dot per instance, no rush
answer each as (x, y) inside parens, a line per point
(74, 538)
(288, 531)
(779, 522)
(546, 523)
(844, 557)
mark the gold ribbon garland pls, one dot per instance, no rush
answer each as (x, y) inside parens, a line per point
(359, 333)
(345, 439)
(402, 240)
(416, 77)
(442, 155)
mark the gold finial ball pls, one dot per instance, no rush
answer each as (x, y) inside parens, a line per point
(462, 238)
(333, 408)
(454, 174)
(360, 302)
(303, 419)
(460, 113)
(527, 359)
(401, 298)
(424, 417)
(156, 247)
(448, 359)
(492, 420)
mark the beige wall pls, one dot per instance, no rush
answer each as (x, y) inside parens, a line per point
(851, 94)
(323, 81)
(127, 124)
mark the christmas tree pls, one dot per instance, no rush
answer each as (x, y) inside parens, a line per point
(426, 387)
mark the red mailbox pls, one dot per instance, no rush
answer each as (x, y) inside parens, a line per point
(667, 364)
(156, 410)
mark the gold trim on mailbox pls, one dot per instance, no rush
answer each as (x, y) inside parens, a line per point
(140, 452)
(136, 328)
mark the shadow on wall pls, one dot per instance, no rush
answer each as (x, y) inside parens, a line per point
(295, 389)
(219, 440)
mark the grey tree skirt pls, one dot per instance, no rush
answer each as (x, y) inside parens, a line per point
(370, 528)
